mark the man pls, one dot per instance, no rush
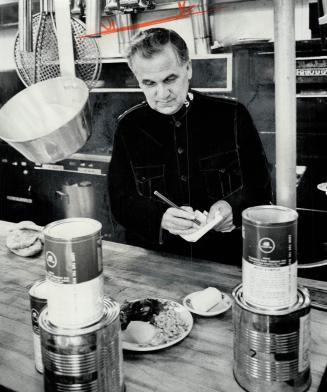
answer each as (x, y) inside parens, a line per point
(201, 152)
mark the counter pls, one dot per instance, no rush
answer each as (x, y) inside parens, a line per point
(200, 363)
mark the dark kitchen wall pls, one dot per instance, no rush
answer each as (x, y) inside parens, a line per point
(254, 86)
(10, 85)
(106, 108)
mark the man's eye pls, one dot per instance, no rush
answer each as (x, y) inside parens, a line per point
(171, 79)
(148, 83)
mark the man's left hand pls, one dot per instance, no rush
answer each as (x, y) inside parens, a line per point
(224, 208)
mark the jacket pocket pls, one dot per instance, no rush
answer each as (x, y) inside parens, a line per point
(149, 179)
(222, 174)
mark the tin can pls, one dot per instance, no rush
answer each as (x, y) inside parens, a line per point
(269, 271)
(38, 300)
(271, 348)
(86, 359)
(73, 252)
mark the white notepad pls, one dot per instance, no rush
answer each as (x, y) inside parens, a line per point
(202, 229)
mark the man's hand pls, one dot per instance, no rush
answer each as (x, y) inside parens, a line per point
(179, 222)
(224, 208)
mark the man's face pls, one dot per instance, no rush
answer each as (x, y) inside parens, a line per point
(163, 80)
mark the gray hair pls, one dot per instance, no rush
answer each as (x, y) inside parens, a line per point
(151, 41)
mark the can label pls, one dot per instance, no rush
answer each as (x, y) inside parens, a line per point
(270, 287)
(36, 308)
(269, 257)
(74, 262)
(269, 246)
(38, 302)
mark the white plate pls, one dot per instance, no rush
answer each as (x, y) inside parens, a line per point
(221, 307)
(186, 316)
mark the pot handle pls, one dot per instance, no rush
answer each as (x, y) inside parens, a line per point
(65, 38)
(61, 195)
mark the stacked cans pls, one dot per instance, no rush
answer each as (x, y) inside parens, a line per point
(80, 329)
(271, 315)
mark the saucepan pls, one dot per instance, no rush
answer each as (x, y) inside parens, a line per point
(49, 120)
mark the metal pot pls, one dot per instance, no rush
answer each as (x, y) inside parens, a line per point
(77, 200)
(48, 121)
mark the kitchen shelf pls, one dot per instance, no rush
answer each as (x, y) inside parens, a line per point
(311, 95)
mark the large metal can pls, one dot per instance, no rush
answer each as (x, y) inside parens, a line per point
(73, 254)
(269, 256)
(86, 359)
(271, 348)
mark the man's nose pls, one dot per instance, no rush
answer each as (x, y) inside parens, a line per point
(162, 91)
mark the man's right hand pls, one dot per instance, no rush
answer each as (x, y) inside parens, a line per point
(179, 221)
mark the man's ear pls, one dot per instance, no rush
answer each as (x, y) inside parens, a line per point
(189, 70)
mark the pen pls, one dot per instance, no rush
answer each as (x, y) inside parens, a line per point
(169, 202)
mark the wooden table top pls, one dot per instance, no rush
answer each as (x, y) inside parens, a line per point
(200, 363)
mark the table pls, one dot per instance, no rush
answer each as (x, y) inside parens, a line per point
(200, 363)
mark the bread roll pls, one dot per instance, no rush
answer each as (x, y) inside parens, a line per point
(25, 239)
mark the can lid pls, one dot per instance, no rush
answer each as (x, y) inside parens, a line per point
(303, 301)
(111, 313)
(71, 228)
(39, 289)
(269, 215)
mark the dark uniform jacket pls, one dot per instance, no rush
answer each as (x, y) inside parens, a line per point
(208, 151)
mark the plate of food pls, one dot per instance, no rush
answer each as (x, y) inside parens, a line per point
(208, 302)
(153, 324)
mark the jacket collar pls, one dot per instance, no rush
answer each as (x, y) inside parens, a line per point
(178, 115)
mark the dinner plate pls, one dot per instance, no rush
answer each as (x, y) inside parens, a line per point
(180, 309)
(221, 306)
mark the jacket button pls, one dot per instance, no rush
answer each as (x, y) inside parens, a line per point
(183, 178)
(178, 124)
(180, 150)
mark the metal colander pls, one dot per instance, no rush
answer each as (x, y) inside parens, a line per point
(43, 62)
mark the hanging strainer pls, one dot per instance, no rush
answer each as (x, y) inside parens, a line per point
(43, 62)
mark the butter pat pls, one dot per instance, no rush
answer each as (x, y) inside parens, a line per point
(206, 299)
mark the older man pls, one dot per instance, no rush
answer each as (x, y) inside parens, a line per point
(201, 152)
